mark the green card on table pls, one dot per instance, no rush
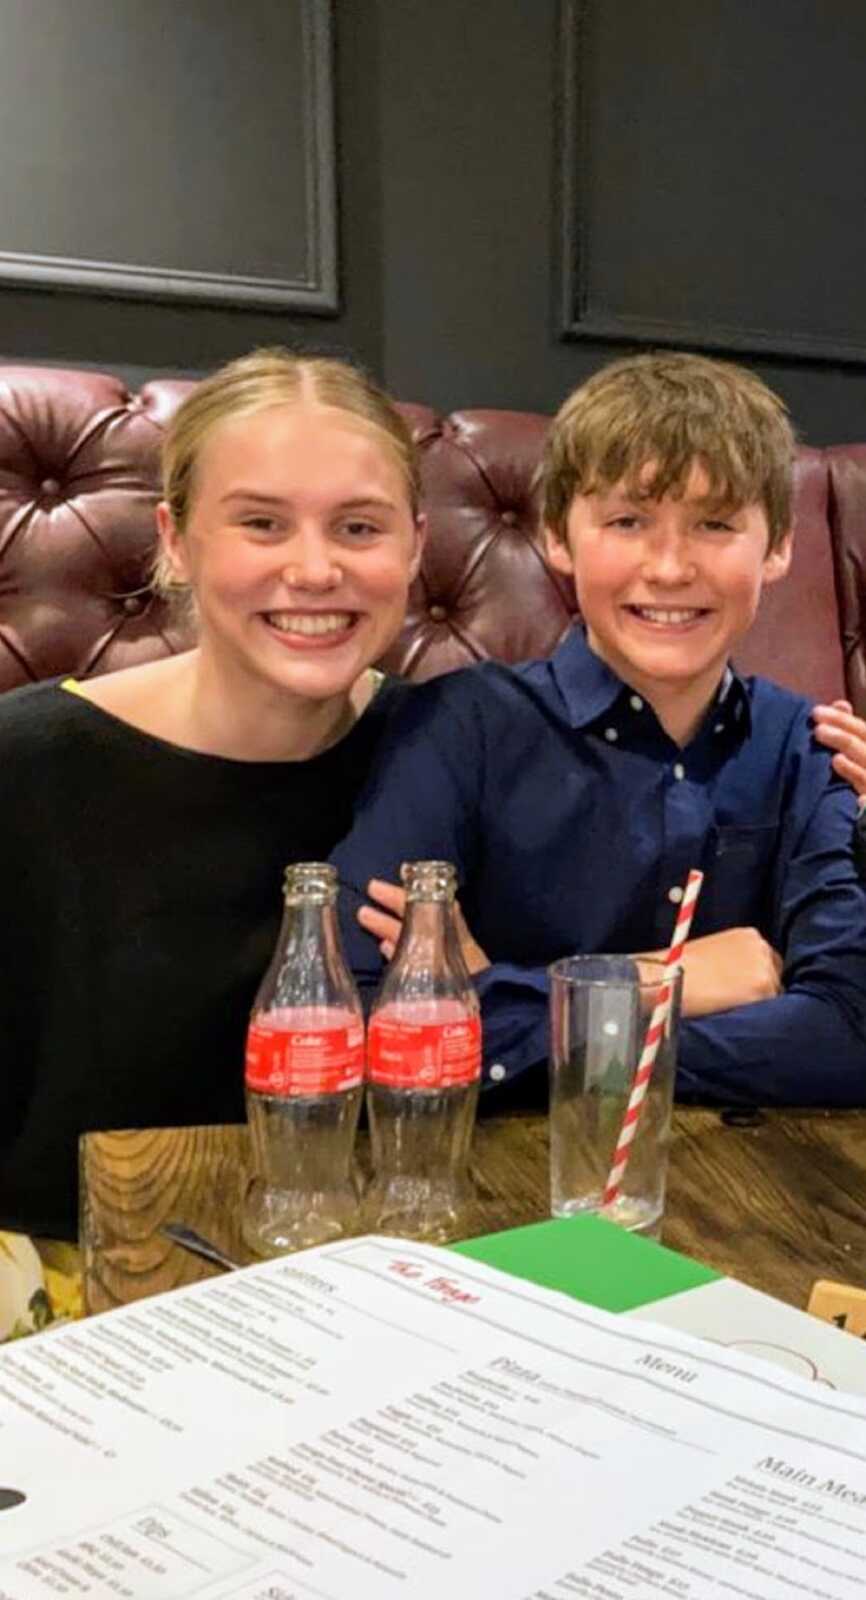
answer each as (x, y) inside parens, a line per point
(593, 1260)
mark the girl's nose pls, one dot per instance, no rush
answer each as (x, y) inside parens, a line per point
(310, 563)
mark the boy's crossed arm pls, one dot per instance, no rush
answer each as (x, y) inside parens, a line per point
(736, 967)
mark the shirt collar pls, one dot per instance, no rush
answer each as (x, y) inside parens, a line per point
(589, 687)
(734, 703)
(586, 683)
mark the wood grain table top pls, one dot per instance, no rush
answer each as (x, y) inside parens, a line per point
(776, 1205)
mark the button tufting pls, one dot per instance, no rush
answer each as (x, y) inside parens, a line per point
(49, 486)
(132, 604)
(437, 613)
(509, 518)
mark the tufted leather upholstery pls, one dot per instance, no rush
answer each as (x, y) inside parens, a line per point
(79, 476)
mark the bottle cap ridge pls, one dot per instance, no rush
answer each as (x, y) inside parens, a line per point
(429, 880)
(310, 882)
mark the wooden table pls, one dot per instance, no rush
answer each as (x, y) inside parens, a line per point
(776, 1205)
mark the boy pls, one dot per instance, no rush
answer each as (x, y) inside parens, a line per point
(574, 794)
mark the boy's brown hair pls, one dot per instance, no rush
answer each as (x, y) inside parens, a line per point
(672, 412)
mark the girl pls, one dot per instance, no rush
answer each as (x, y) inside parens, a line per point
(147, 816)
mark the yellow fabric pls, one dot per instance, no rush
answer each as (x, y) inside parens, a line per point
(40, 1279)
(40, 1284)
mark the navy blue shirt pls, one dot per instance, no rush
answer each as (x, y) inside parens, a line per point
(573, 820)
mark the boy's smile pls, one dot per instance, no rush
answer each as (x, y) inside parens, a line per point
(667, 587)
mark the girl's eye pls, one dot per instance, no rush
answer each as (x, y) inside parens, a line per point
(260, 523)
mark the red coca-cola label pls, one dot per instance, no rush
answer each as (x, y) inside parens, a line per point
(293, 1061)
(423, 1055)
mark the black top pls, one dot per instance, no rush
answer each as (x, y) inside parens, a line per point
(140, 901)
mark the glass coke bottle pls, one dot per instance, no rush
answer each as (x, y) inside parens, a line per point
(423, 1068)
(304, 1077)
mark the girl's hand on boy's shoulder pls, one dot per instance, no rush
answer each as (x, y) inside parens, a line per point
(385, 921)
(837, 727)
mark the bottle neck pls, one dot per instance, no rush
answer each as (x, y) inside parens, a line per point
(427, 925)
(428, 962)
(310, 930)
(308, 968)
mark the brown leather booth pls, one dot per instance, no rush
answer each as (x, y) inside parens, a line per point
(79, 476)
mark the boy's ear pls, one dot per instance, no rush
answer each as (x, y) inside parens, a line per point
(172, 542)
(777, 562)
(558, 552)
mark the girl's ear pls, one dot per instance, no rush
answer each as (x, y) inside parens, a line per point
(172, 542)
(418, 547)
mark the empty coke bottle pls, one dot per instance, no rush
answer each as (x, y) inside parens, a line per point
(423, 1068)
(304, 1077)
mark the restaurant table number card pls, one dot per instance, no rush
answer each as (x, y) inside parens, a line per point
(843, 1304)
(377, 1418)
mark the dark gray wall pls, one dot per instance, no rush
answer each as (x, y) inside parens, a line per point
(138, 339)
(448, 181)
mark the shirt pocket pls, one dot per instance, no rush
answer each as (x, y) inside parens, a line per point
(740, 863)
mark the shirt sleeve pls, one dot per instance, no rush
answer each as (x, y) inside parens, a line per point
(420, 804)
(807, 1046)
(860, 837)
(514, 1018)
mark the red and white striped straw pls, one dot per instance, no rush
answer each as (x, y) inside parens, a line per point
(652, 1041)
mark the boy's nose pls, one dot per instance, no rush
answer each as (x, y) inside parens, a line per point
(669, 559)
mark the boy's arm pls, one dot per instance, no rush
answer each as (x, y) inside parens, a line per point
(424, 801)
(808, 1046)
(804, 1046)
(420, 803)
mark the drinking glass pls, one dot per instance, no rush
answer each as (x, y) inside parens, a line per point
(601, 1009)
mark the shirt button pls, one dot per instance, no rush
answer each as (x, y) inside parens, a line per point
(719, 728)
(679, 770)
(611, 735)
(675, 895)
(497, 1072)
(636, 702)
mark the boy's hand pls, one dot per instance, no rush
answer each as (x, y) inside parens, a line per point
(385, 925)
(840, 730)
(723, 970)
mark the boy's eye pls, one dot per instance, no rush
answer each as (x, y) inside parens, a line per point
(717, 525)
(627, 521)
(359, 528)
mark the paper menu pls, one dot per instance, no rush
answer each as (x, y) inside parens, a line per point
(377, 1418)
(605, 1266)
(746, 1321)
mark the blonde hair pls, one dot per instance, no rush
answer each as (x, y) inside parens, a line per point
(672, 412)
(266, 378)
